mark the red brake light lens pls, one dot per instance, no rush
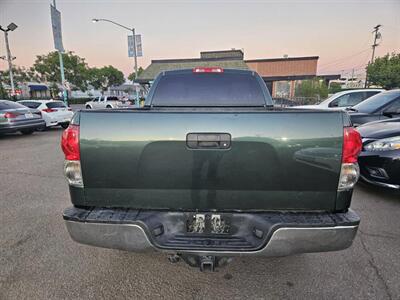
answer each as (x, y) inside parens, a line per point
(48, 110)
(351, 145)
(208, 70)
(70, 143)
(9, 115)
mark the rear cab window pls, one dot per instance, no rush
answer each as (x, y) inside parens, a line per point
(226, 89)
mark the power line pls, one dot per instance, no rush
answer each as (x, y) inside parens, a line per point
(344, 58)
(341, 64)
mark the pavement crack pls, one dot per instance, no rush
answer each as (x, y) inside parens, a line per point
(384, 236)
(372, 263)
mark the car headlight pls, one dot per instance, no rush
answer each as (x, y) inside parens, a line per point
(384, 144)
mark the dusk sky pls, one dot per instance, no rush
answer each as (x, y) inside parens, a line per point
(339, 32)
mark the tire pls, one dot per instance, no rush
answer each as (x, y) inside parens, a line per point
(88, 107)
(44, 128)
(108, 106)
(65, 125)
(27, 131)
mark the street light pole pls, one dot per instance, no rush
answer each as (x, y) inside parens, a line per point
(9, 59)
(10, 27)
(134, 50)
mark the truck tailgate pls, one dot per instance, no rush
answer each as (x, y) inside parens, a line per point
(276, 160)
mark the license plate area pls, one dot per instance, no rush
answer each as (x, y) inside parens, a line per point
(208, 223)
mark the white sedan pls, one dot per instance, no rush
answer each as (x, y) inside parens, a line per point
(54, 113)
(344, 99)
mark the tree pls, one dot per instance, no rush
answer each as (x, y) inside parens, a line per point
(312, 88)
(47, 68)
(385, 71)
(20, 74)
(131, 76)
(335, 87)
(103, 78)
(3, 92)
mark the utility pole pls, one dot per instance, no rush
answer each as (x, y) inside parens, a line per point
(377, 35)
(60, 58)
(10, 27)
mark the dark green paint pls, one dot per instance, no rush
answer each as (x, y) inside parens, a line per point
(278, 160)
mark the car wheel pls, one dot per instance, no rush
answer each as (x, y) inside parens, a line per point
(27, 131)
(88, 107)
(65, 125)
(43, 128)
(108, 106)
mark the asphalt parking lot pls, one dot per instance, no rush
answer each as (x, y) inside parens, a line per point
(38, 259)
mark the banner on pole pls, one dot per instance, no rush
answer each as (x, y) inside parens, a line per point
(139, 51)
(56, 25)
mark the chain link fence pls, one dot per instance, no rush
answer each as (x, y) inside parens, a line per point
(295, 101)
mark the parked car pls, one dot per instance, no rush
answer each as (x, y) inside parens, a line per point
(382, 106)
(16, 117)
(345, 99)
(211, 172)
(106, 102)
(54, 113)
(380, 157)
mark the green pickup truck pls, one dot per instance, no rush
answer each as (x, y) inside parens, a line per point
(208, 169)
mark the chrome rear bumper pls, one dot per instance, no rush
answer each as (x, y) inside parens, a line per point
(282, 241)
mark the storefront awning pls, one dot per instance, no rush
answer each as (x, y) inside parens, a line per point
(38, 87)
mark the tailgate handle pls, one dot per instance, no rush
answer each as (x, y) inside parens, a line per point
(208, 140)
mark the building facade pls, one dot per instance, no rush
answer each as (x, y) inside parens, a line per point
(281, 75)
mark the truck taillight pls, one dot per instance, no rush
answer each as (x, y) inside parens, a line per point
(351, 145)
(350, 171)
(208, 70)
(70, 147)
(70, 143)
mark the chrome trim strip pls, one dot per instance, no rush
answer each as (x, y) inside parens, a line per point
(381, 184)
(284, 241)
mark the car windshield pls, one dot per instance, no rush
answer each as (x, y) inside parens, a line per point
(375, 102)
(10, 105)
(55, 104)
